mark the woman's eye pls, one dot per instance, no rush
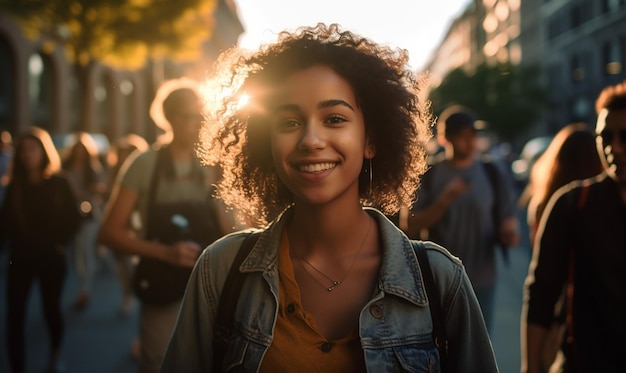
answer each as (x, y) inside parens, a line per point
(288, 123)
(336, 119)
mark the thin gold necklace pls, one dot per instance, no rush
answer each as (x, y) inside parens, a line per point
(335, 283)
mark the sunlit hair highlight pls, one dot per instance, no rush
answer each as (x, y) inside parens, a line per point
(165, 101)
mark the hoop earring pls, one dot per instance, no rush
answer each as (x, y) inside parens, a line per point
(371, 177)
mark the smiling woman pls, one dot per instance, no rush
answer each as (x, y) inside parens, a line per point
(333, 124)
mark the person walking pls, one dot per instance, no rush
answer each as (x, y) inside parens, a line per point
(125, 263)
(84, 170)
(581, 247)
(313, 132)
(466, 205)
(178, 215)
(37, 221)
(571, 155)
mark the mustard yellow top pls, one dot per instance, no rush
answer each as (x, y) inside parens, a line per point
(298, 345)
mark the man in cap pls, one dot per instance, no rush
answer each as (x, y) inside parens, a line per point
(466, 205)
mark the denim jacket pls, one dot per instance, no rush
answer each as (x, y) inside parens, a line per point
(395, 325)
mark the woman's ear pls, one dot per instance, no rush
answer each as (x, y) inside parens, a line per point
(370, 150)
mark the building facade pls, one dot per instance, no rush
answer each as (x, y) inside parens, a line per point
(580, 46)
(584, 51)
(39, 86)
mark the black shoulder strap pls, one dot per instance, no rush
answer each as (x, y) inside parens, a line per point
(228, 302)
(436, 310)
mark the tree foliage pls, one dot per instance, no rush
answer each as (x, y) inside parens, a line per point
(119, 33)
(508, 97)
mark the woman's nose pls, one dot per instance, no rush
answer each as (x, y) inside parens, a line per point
(312, 137)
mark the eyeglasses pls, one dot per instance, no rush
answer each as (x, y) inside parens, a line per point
(608, 136)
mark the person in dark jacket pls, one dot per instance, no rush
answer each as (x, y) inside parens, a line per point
(38, 219)
(581, 246)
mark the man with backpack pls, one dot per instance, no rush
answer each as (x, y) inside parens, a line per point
(467, 205)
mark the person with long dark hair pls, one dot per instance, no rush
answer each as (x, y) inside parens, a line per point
(39, 218)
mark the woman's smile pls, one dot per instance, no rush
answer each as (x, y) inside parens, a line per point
(316, 168)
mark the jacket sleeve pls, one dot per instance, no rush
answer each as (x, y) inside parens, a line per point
(469, 346)
(191, 346)
(548, 268)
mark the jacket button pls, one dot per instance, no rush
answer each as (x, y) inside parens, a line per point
(376, 311)
(291, 308)
(326, 347)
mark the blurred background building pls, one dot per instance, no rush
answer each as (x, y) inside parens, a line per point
(579, 47)
(39, 85)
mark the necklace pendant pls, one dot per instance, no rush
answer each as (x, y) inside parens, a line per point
(332, 287)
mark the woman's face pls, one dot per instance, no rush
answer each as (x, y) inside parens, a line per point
(186, 121)
(318, 136)
(31, 154)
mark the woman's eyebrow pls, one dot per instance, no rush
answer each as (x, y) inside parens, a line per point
(286, 107)
(322, 105)
(334, 102)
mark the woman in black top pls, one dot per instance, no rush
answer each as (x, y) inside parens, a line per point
(39, 217)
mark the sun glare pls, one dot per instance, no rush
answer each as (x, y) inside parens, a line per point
(243, 101)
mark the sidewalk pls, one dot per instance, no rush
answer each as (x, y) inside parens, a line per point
(98, 339)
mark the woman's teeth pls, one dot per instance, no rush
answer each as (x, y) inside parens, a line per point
(316, 167)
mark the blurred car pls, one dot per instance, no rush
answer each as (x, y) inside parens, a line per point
(531, 151)
(64, 141)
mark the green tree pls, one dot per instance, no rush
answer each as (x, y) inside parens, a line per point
(508, 97)
(117, 33)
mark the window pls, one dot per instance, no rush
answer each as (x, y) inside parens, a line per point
(612, 62)
(611, 5)
(577, 69)
(39, 89)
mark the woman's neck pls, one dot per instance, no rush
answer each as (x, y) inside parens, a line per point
(327, 228)
(180, 152)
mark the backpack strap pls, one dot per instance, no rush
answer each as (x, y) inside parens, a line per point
(436, 310)
(228, 302)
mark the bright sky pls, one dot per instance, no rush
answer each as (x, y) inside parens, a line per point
(416, 25)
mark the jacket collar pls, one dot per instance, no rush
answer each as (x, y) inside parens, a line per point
(400, 274)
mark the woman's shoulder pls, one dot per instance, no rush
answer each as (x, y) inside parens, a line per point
(137, 168)
(222, 252)
(442, 262)
(142, 159)
(217, 259)
(438, 252)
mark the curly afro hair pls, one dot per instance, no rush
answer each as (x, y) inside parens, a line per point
(237, 135)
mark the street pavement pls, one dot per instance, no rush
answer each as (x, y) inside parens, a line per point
(99, 338)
